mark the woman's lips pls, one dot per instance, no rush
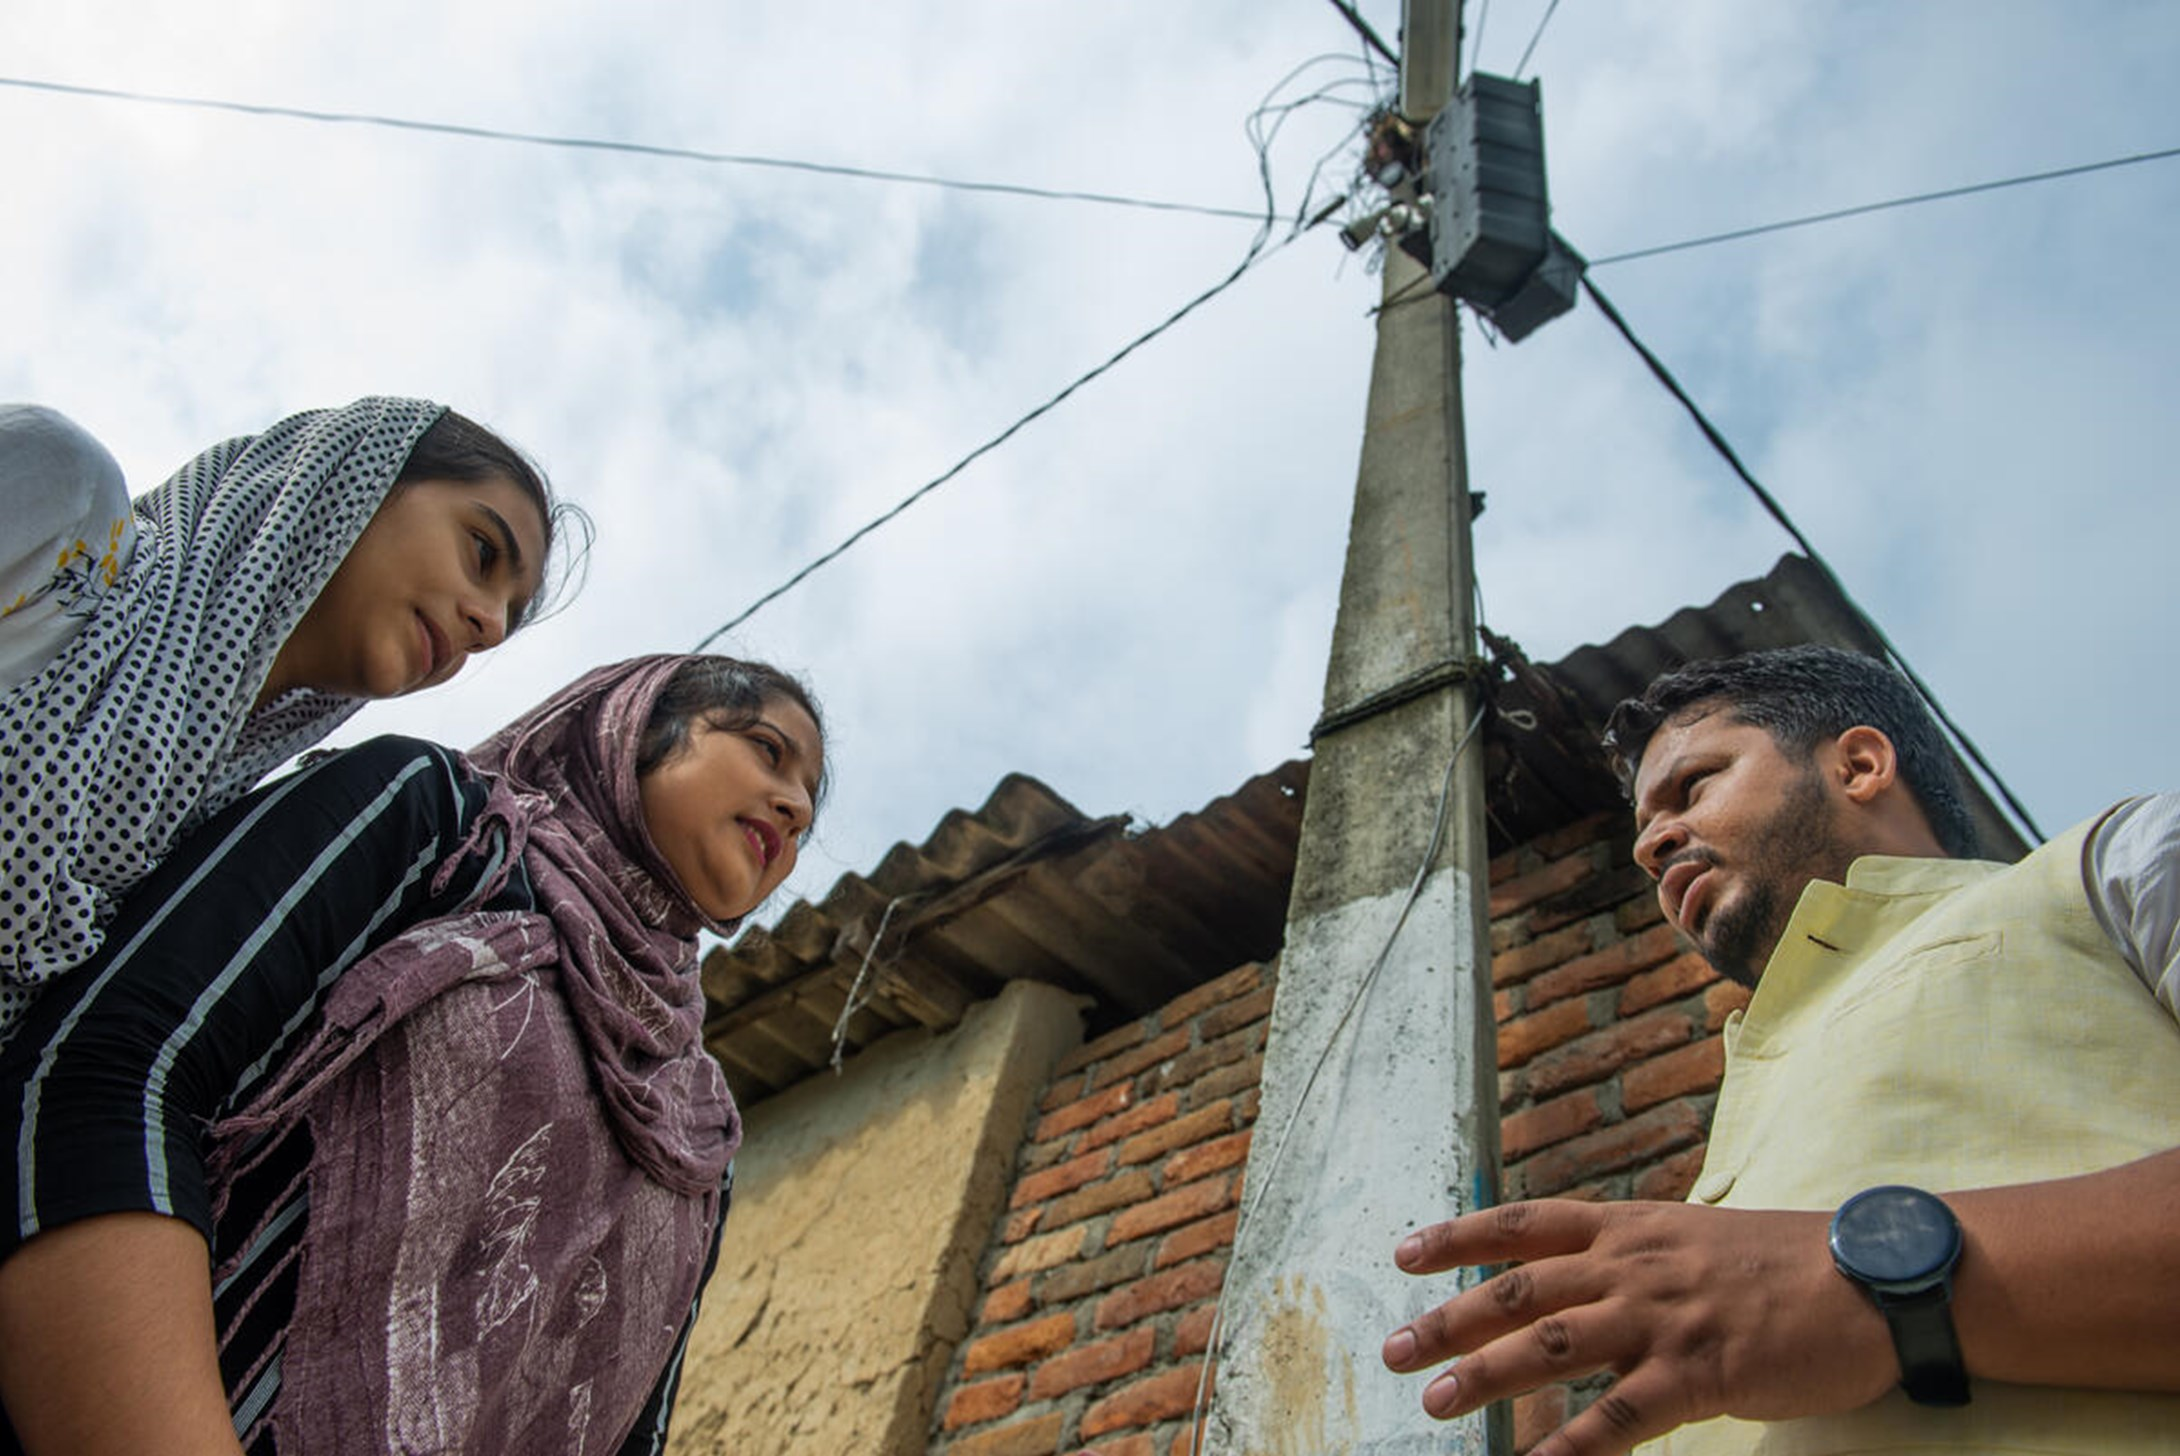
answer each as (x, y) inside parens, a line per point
(438, 651)
(764, 839)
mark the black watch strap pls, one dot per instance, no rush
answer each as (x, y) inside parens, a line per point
(1931, 1371)
(1901, 1245)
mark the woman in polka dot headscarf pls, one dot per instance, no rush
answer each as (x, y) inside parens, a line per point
(232, 618)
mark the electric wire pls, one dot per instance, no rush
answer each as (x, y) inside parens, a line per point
(1531, 49)
(1262, 136)
(1327, 94)
(874, 174)
(1816, 558)
(1257, 253)
(1260, 248)
(1255, 256)
(1950, 192)
(1362, 28)
(640, 149)
(1317, 172)
(1414, 291)
(1269, 106)
(1476, 52)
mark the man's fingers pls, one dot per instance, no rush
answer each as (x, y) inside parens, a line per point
(1565, 1345)
(1631, 1411)
(1634, 1409)
(1498, 1306)
(1512, 1231)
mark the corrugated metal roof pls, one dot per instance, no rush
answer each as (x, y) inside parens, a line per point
(1029, 887)
(1796, 602)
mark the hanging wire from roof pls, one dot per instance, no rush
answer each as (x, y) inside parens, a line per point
(859, 992)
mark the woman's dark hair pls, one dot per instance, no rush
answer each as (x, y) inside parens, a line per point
(724, 694)
(1802, 696)
(456, 447)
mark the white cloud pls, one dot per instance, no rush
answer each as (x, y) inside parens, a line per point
(732, 368)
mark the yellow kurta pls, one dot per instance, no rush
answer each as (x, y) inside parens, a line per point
(1946, 1024)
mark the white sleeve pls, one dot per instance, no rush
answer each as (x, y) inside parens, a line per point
(2132, 870)
(66, 530)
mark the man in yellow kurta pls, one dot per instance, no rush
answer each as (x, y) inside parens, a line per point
(1940, 1210)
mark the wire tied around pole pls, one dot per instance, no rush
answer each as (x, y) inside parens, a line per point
(1443, 673)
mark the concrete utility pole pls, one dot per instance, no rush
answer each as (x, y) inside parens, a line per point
(1380, 1096)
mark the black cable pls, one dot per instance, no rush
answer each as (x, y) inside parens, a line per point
(641, 149)
(1408, 293)
(1362, 28)
(1317, 172)
(1530, 49)
(1255, 256)
(1778, 513)
(1257, 253)
(1261, 136)
(1795, 222)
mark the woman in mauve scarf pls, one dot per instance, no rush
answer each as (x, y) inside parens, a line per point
(383, 1122)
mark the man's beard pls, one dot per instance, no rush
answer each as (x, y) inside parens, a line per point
(1794, 848)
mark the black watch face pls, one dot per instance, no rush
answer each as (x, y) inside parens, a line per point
(1895, 1235)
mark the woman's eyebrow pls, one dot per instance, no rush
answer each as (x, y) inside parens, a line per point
(815, 760)
(508, 543)
(513, 548)
(794, 744)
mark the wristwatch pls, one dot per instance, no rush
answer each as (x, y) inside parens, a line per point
(1900, 1244)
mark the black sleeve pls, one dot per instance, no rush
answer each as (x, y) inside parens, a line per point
(210, 971)
(649, 1436)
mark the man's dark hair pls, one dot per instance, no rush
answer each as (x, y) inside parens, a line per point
(1803, 696)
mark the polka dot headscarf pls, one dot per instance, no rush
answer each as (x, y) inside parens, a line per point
(141, 727)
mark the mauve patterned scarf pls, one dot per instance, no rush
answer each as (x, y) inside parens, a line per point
(519, 1138)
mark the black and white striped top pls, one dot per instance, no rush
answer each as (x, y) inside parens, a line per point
(209, 976)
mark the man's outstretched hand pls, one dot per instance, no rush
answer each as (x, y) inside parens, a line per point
(1700, 1311)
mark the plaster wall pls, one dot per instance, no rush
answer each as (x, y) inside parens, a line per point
(863, 1204)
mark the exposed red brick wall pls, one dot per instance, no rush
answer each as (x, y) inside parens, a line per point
(1100, 1283)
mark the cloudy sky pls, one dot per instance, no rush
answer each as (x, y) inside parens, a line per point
(731, 368)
